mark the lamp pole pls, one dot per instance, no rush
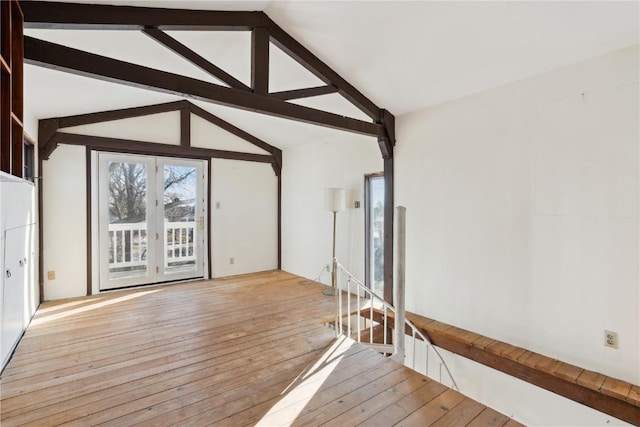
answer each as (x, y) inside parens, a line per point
(335, 261)
(334, 202)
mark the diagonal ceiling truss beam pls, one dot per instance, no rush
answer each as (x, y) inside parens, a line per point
(191, 56)
(297, 51)
(124, 113)
(286, 95)
(43, 14)
(215, 120)
(58, 57)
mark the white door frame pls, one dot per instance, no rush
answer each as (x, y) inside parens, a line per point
(199, 214)
(155, 257)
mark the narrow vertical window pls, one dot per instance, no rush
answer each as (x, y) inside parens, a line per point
(374, 233)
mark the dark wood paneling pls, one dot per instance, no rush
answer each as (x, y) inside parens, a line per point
(5, 100)
(17, 148)
(51, 55)
(6, 146)
(197, 60)
(43, 14)
(17, 57)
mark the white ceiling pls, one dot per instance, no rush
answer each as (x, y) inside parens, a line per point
(404, 56)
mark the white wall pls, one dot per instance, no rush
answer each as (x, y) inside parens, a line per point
(245, 227)
(30, 123)
(244, 217)
(522, 213)
(64, 223)
(307, 228)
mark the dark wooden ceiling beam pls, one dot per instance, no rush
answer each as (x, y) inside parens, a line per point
(153, 148)
(197, 60)
(260, 60)
(388, 141)
(62, 58)
(389, 122)
(287, 95)
(124, 113)
(52, 15)
(185, 127)
(321, 70)
(217, 121)
(46, 129)
(43, 14)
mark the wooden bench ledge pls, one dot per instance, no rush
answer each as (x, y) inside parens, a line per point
(612, 396)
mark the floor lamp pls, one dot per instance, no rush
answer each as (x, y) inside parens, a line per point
(334, 201)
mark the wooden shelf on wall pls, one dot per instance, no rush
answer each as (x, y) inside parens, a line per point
(11, 88)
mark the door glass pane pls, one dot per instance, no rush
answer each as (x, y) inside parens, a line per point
(376, 234)
(181, 227)
(127, 204)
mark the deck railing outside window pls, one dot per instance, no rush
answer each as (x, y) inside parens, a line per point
(128, 245)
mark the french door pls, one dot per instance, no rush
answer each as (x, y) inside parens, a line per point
(151, 214)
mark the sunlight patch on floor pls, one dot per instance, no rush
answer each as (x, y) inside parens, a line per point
(44, 319)
(300, 392)
(66, 305)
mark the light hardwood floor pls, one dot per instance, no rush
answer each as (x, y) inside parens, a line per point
(247, 350)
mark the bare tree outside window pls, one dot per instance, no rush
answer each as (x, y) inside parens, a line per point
(128, 186)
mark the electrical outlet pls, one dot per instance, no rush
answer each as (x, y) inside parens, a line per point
(611, 339)
(232, 260)
(51, 275)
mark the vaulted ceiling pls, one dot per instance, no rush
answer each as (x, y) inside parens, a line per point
(404, 56)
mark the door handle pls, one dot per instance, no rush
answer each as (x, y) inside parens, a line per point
(8, 273)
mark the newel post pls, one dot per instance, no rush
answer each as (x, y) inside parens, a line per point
(398, 288)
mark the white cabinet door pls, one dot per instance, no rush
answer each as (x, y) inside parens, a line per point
(16, 265)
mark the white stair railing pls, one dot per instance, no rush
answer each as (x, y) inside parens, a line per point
(366, 317)
(360, 313)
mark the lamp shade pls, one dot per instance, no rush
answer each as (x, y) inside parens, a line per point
(334, 199)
